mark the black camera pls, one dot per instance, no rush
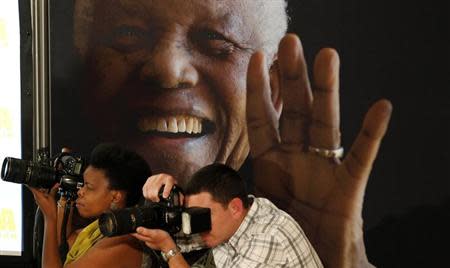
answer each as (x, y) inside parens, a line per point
(65, 168)
(168, 215)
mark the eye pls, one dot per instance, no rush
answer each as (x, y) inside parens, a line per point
(213, 43)
(87, 186)
(127, 38)
(214, 36)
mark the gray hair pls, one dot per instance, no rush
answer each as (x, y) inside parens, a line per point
(275, 26)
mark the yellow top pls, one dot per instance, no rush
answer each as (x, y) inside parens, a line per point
(85, 240)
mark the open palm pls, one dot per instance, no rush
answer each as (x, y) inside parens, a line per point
(324, 194)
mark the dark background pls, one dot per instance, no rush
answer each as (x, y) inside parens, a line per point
(388, 49)
(399, 51)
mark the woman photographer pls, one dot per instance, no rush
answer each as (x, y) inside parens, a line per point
(113, 180)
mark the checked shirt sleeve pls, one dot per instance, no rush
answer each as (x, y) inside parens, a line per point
(270, 251)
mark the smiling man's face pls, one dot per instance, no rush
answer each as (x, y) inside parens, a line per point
(168, 78)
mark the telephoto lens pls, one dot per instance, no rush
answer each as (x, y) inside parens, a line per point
(29, 173)
(126, 220)
(168, 214)
(156, 216)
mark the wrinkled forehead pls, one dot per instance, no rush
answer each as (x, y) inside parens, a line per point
(251, 18)
(233, 15)
(181, 10)
(174, 7)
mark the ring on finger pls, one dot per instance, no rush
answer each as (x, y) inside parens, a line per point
(336, 153)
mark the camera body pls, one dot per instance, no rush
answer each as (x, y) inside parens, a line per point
(168, 215)
(66, 169)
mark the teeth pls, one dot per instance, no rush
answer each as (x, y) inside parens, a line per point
(173, 127)
(181, 125)
(195, 127)
(162, 125)
(189, 125)
(171, 124)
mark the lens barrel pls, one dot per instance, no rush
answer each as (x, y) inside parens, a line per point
(126, 220)
(27, 172)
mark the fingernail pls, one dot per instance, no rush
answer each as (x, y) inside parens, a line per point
(289, 58)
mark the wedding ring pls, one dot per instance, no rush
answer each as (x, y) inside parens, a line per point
(336, 153)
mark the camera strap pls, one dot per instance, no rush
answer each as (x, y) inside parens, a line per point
(64, 246)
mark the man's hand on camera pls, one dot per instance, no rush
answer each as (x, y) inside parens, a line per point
(151, 188)
(155, 239)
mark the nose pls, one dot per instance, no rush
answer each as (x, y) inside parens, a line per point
(80, 192)
(170, 66)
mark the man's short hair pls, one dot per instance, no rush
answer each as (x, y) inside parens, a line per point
(125, 169)
(221, 181)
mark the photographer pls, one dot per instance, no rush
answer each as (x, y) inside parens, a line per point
(245, 231)
(113, 180)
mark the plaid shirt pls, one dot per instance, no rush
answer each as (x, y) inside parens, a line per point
(267, 237)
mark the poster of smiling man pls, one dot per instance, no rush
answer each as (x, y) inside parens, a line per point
(189, 83)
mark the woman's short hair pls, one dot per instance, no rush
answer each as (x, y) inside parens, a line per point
(125, 169)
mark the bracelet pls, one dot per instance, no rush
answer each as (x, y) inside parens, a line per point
(169, 254)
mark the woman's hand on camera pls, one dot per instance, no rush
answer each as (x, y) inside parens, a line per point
(153, 185)
(46, 201)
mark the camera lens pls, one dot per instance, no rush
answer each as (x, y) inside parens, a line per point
(107, 223)
(126, 220)
(26, 172)
(5, 168)
(14, 170)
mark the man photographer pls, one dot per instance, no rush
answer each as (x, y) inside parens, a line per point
(245, 231)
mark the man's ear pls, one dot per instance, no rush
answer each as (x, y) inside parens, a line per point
(275, 86)
(236, 207)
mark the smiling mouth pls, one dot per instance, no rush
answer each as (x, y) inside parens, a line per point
(180, 126)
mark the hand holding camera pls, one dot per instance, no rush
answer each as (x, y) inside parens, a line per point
(152, 187)
(165, 211)
(46, 200)
(65, 169)
(61, 175)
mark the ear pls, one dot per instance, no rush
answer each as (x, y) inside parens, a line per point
(118, 197)
(275, 86)
(236, 207)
